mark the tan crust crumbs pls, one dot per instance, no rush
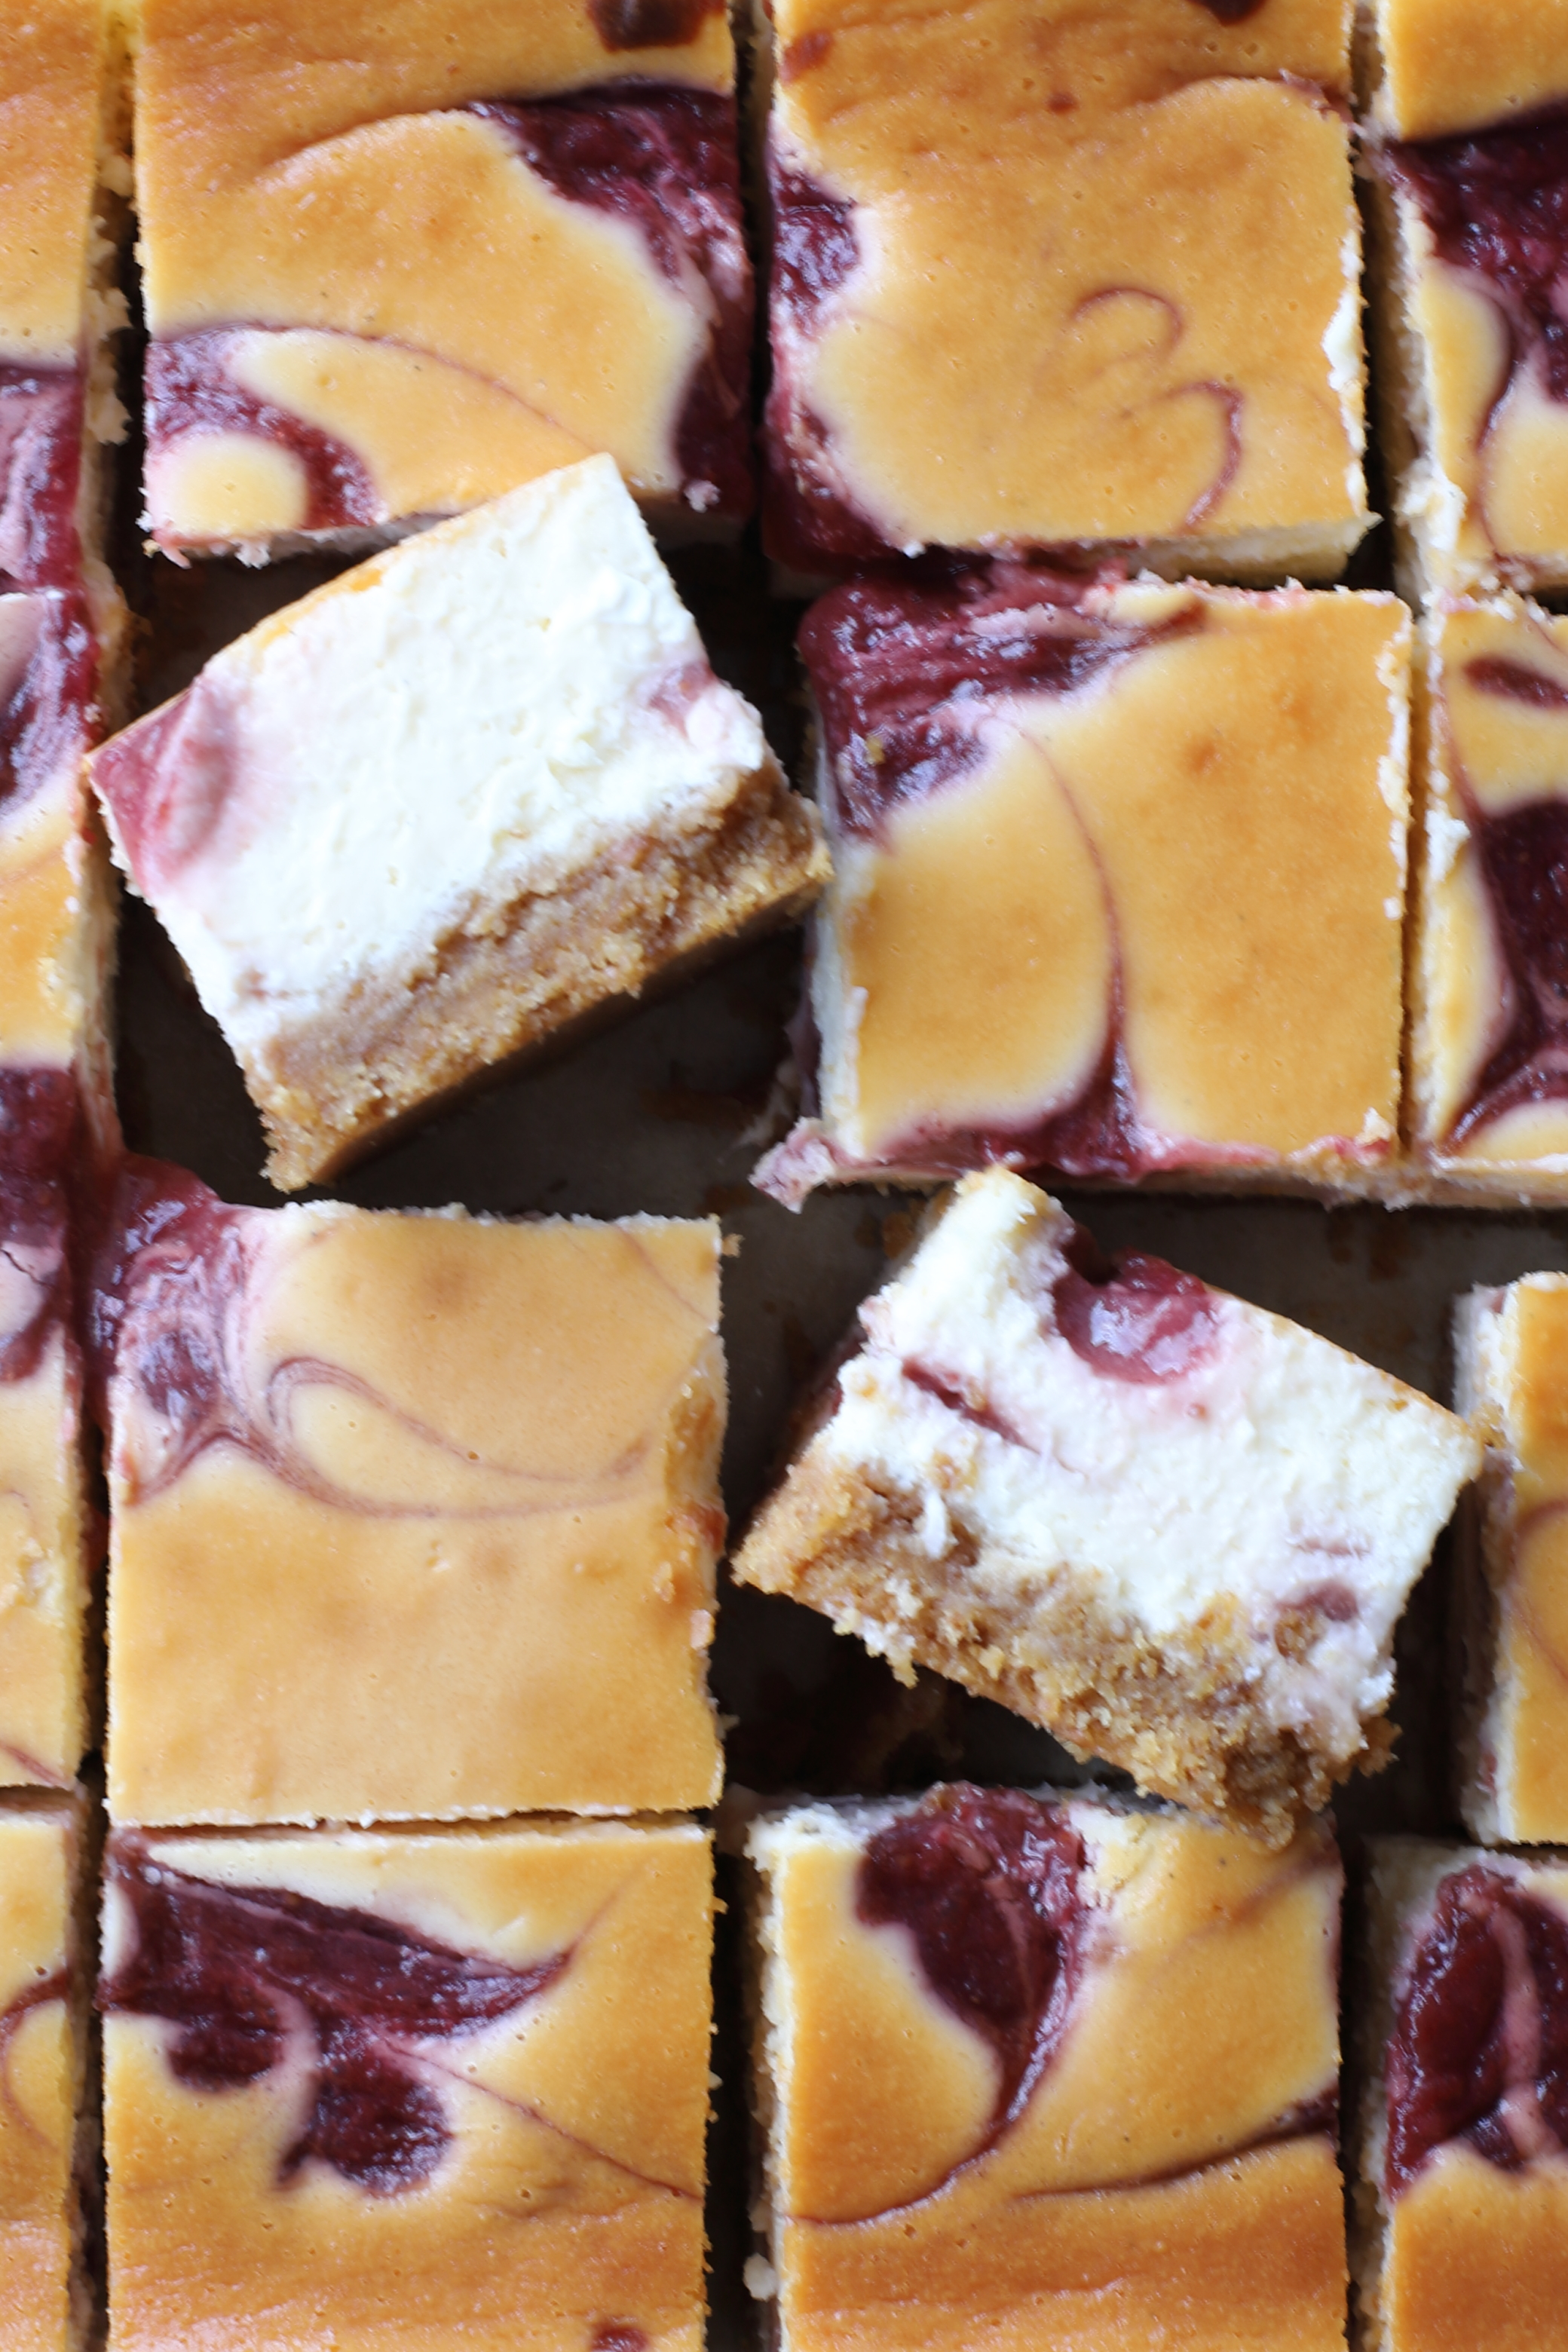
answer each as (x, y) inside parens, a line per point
(1175, 1713)
(394, 1050)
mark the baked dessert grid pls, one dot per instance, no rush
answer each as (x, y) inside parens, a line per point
(657, 1118)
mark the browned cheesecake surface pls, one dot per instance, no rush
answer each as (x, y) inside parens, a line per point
(1490, 1096)
(1026, 288)
(42, 2075)
(431, 1505)
(1032, 787)
(1511, 1348)
(408, 2092)
(1024, 2082)
(401, 259)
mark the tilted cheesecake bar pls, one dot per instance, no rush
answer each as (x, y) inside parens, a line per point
(1174, 1529)
(1468, 113)
(1488, 1047)
(1459, 2242)
(63, 181)
(44, 2299)
(405, 1510)
(1041, 2071)
(408, 2089)
(1511, 1349)
(1031, 787)
(399, 259)
(1029, 285)
(473, 791)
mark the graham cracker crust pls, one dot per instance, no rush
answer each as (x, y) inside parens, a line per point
(1179, 1714)
(396, 1044)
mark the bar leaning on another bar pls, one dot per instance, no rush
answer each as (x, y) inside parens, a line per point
(1176, 1531)
(478, 789)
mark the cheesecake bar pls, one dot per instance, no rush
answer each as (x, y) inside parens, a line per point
(1175, 1531)
(1460, 2210)
(1035, 2069)
(1488, 978)
(1031, 787)
(384, 2089)
(405, 1510)
(1468, 153)
(1027, 286)
(44, 2298)
(61, 657)
(474, 790)
(50, 1540)
(64, 178)
(1510, 1350)
(398, 259)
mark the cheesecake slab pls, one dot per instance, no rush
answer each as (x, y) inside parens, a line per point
(399, 259)
(1468, 112)
(1042, 2070)
(1489, 1010)
(51, 1535)
(43, 2007)
(1511, 1352)
(1460, 2207)
(64, 178)
(405, 1510)
(1171, 1529)
(61, 671)
(1031, 785)
(388, 2091)
(541, 803)
(1027, 289)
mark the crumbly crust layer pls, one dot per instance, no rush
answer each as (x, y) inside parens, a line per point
(1179, 1714)
(395, 1047)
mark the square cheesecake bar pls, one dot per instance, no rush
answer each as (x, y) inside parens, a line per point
(1460, 2209)
(398, 259)
(387, 2090)
(1030, 284)
(1489, 969)
(64, 178)
(44, 2301)
(1469, 163)
(1511, 1349)
(1171, 1529)
(1032, 785)
(1035, 2069)
(405, 1510)
(470, 792)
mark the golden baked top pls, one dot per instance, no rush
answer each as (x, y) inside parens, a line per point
(1471, 2132)
(434, 1505)
(1027, 286)
(1032, 789)
(1489, 1016)
(56, 108)
(37, 2115)
(1462, 65)
(1003, 2037)
(475, 2064)
(424, 274)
